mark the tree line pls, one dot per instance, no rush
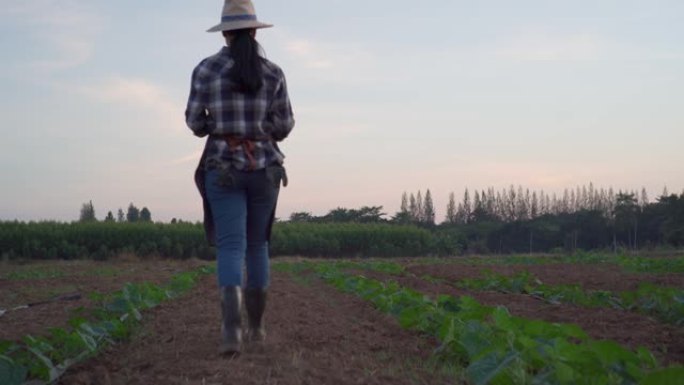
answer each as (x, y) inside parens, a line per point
(522, 220)
(132, 215)
(511, 205)
(511, 220)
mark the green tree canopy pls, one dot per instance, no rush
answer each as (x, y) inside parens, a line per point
(133, 214)
(110, 217)
(87, 212)
(301, 217)
(145, 215)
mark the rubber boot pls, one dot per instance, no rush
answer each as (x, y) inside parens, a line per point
(231, 325)
(255, 302)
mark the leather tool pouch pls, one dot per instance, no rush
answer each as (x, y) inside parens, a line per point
(276, 174)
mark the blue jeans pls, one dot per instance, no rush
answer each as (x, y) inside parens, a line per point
(242, 204)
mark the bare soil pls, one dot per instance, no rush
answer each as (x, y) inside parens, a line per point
(590, 277)
(316, 335)
(629, 329)
(69, 278)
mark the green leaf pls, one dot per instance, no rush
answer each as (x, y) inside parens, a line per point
(409, 318)
(11, 373)
(475, 339)
(88, 340)
(484, 370)
(448, 303)
(119, 306)
(670, 376)
(574, 331)
(565, 374)
(49, 371)
(646, 358)
(7, 347)
(610, 352)
(502, 318)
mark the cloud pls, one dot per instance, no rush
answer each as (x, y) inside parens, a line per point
(139, 94)
(320, 58)
(70, 28)
(312, 55)
(542, 45)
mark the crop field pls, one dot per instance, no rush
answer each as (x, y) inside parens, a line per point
(586, 319)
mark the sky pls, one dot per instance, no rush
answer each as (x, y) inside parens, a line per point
(390, 96)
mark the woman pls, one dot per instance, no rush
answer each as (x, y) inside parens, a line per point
(239, 100)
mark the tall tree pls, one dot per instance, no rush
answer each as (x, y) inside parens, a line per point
(500, 206)
(573, 205)
(534, 205)
(467, 207)
(145, 215)
(110, 217)
(451, 210)
(490, 203)
(512, 212)
(87, 212)
(626, 217)
(133, 214)
(643, 198)
(565, 205)
(461, 217)
(419, 208)
(592, 202)
(413, 207)
(521, 205)
(428, 209)
(404, 203)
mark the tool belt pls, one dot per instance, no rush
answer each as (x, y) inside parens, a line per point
(247, 146)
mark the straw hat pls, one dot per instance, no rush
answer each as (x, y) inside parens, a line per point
(238, 14)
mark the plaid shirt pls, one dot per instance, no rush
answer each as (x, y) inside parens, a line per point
(215, 110)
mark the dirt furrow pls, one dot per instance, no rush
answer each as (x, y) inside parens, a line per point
(316, 335)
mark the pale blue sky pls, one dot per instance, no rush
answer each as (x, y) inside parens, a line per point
(389, 96)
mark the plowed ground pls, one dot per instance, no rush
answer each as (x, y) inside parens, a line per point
(317, 335)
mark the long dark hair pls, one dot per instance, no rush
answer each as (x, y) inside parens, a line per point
(246, 73)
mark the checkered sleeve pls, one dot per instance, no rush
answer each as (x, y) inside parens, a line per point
(280, 114)
(196, 115)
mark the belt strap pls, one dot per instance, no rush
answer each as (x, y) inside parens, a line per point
(247, 145)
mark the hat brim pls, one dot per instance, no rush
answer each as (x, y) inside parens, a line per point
(233, 25)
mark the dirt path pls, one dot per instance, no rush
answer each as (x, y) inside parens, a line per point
(629, 329)
(316, 336)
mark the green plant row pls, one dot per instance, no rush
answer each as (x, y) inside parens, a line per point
(53, 240)
(47, 358)
(497, 348)
(665, 303)
(630, 263)
(31, 271)
(358, 240)
(101, 240)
